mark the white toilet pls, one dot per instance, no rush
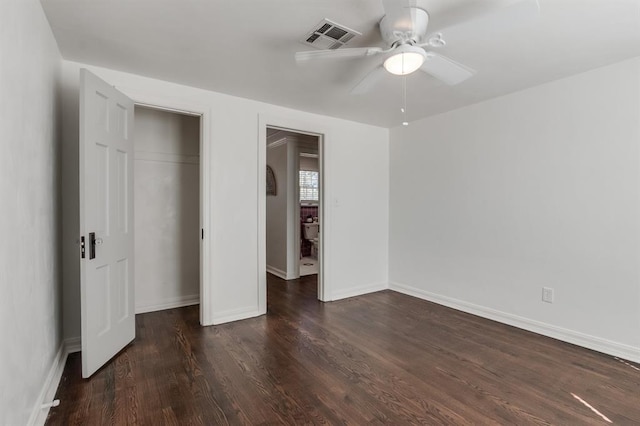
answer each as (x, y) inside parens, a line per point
(311, 230)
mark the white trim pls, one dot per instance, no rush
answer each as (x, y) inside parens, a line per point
(48, 390)
(206, 221)
(261, 252)
(570, 336)
(181, 111)
(151, 99)
(237, 314)
(293, 212)
(277, 272)
(359, 291)
(309, 155)
(271, 145)
(313, 129)
(72, 345)
(325, 280)
(168, 303)
(50, 385)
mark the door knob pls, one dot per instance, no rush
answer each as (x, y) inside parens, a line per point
(92, 245)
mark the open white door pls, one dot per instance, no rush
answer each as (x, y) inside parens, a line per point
(106, 221)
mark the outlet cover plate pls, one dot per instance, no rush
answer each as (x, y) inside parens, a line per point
(547, 294)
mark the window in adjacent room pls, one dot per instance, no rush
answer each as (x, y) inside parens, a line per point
(308, 185)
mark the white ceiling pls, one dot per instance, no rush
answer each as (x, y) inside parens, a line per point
(246, 48)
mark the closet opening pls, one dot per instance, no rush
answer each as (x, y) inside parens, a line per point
(167, 205)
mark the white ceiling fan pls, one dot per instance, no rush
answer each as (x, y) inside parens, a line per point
(404, 30)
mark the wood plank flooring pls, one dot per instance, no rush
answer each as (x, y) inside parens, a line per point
(383, 358)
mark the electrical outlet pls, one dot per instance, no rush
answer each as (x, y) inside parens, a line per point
(547, 294)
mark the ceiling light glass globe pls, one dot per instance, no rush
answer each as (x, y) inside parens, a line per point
(407, 60)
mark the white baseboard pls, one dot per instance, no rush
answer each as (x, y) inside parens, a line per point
(570, 336)
(52, 381)
(277, 272)
(358, 291)
(237, 314)
(48, 390)
(72, 345)
(169, 303)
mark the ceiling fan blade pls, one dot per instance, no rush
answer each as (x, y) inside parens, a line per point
(494, 14)
(368, 81)
(445, 69)
(337, 53)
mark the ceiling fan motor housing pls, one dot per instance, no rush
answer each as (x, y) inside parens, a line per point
(408, 26)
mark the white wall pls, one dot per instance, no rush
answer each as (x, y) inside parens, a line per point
(167, 185)
(357, 246)
(277, 212)
(492, 202)
(30, 306)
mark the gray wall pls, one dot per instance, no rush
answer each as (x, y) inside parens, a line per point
(277, 214)
(30, 277)
(539, 188)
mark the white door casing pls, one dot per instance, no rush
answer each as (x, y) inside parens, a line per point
(106, 209)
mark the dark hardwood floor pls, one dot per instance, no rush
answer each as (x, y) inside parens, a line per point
(383, 358)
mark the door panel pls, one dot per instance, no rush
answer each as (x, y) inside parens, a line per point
(106, 209)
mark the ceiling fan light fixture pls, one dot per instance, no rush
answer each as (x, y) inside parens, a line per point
(405, 60)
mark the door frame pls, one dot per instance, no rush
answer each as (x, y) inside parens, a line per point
(153, 100)
(305, 128)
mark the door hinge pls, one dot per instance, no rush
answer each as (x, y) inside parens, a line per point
(202, 233)
(82, 247)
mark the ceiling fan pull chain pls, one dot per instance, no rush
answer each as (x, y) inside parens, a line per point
(404, 101)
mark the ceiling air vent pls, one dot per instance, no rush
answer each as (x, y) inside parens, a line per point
(329, 35)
